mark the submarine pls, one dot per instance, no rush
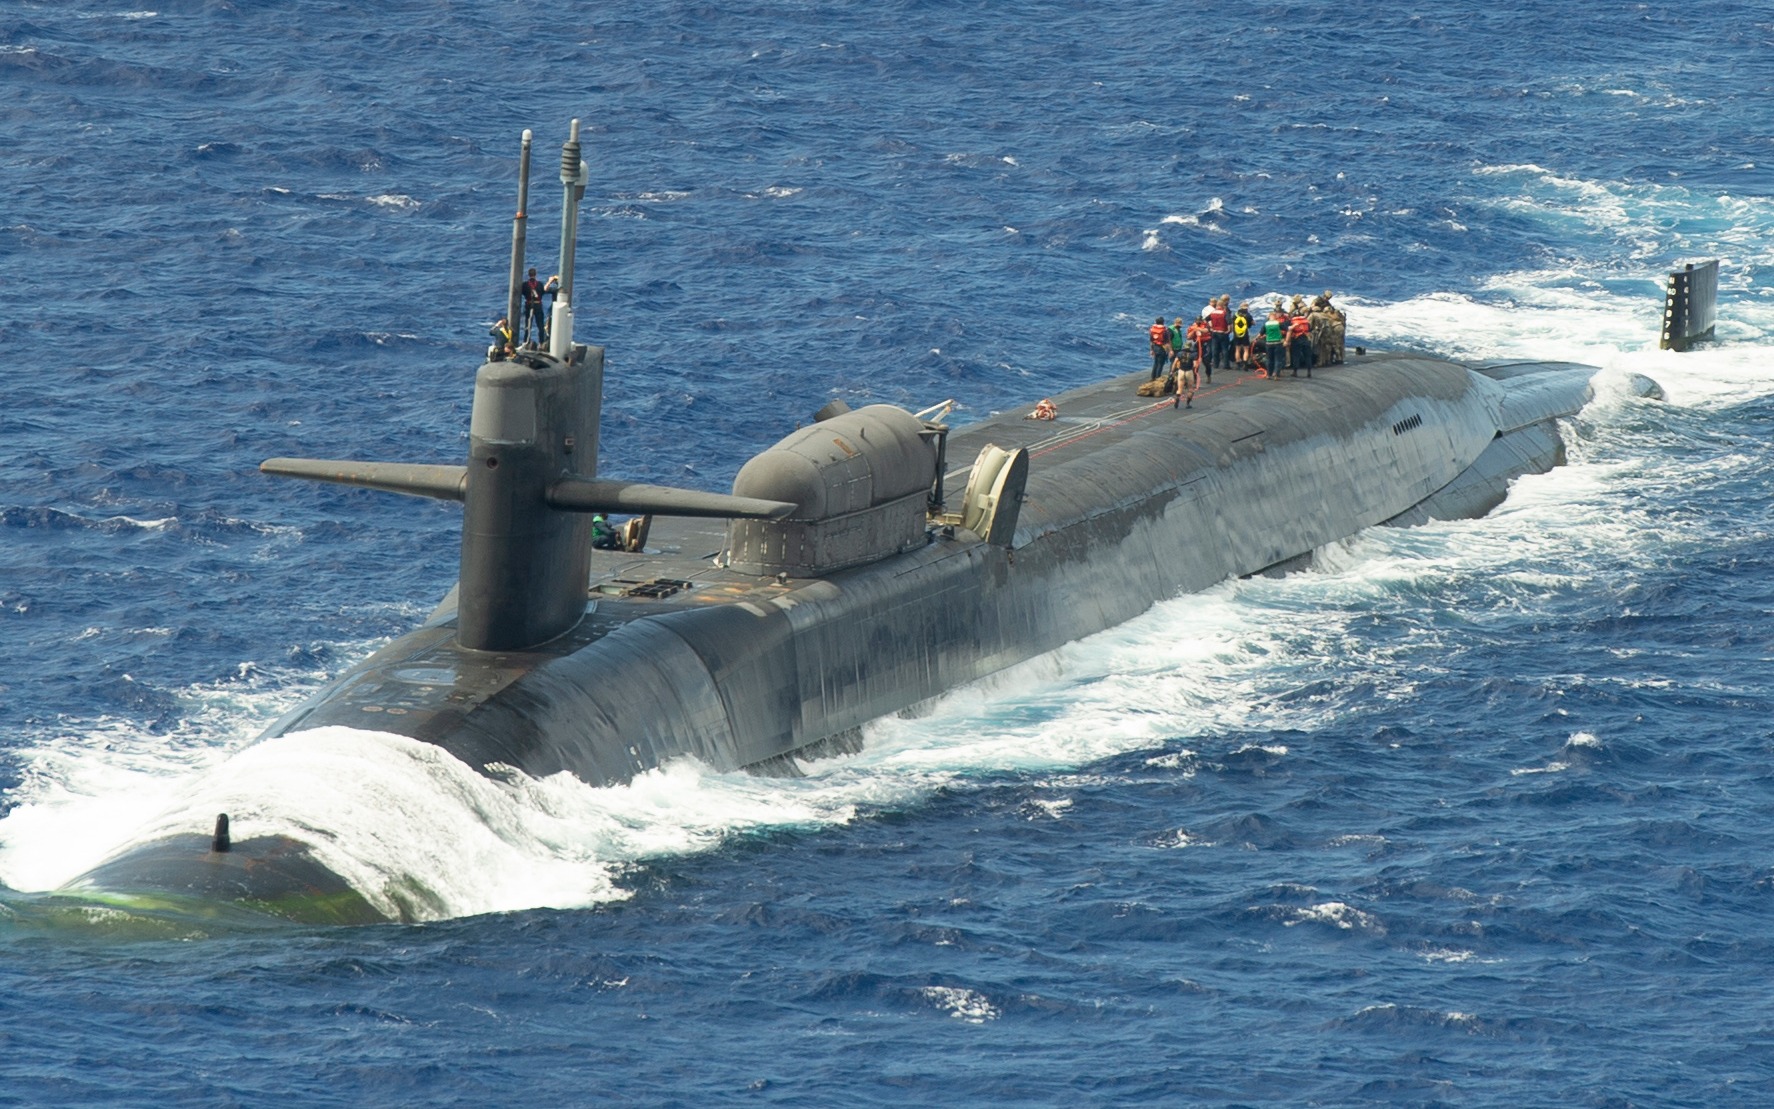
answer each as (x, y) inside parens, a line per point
(867, 562)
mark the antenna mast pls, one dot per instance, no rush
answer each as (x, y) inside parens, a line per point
(517, 235)
(574, 174)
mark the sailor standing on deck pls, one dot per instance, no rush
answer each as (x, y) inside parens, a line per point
(1187, 381)
(1160, 339)
(1200, 347)
(1320, 319)
(1219, 322)
(1338, 329)
(1299, 339)
(1272, 341)
(1241, 328)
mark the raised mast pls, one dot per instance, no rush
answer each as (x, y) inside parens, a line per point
(517, 235)
(574, 173)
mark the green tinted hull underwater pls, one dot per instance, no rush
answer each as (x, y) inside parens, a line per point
(182, 881)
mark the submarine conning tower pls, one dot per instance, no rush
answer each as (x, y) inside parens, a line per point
(531, 480)
(524, 566)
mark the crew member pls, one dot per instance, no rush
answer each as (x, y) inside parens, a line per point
(1320, 319)
(1241, 336)
(1187, 379)
(532, 293)
(501, 348)
(1339, 322)
(1219, 324)
(1201, 348)
(1160, 338)
(1273, 341)
(603, 536)
(1299, 336)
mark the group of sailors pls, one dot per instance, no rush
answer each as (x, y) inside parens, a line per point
(533, 332)
(1290, 337)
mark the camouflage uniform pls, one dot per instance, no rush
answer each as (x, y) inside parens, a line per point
(1319, 320)
(1338, 329)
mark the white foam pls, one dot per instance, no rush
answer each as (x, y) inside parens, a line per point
(961, 1004)
(1178, 839)
(1338, 915)
(1554, 767)
(1601, 301)
(87, 788)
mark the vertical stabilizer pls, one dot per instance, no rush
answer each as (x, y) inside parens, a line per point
(1690, 305)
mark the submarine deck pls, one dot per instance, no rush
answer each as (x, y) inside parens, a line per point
(680, 555)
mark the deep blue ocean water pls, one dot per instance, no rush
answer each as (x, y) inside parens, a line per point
(1473, 814)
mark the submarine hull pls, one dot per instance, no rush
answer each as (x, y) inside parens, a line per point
(1128, 502)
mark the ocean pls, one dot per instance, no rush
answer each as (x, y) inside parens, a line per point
(1479, 813)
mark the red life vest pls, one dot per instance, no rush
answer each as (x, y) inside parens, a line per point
(1216, 320)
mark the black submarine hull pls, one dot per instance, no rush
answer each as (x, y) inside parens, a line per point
(1128, 502)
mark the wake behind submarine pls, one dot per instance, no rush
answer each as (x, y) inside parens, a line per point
(850, 574)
